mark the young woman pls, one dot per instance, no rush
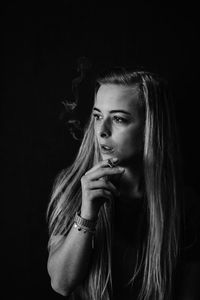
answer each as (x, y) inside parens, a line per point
(114, 213)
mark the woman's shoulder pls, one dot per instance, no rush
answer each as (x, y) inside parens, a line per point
(190, 225)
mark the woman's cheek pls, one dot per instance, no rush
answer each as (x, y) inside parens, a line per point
(131, 142)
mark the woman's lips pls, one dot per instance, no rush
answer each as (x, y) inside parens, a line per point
(105, 149)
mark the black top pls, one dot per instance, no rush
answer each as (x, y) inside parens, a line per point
(189, 252)
(190, 227)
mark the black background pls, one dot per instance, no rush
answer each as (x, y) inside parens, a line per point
(41, 44)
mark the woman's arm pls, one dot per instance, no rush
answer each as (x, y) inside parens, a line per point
(68, 264)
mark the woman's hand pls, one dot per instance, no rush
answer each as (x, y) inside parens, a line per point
(96, 188)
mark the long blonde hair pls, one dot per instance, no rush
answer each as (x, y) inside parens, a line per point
(160, 247)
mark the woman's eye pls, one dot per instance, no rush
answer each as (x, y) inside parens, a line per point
(97, 117)
(120, 120)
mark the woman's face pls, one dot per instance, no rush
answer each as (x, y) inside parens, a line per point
(119, 122)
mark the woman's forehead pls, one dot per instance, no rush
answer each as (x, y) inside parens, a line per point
(117, 95)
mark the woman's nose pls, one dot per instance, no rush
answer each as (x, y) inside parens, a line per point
(105, 130)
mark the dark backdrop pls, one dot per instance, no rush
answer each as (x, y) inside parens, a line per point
(41, 44)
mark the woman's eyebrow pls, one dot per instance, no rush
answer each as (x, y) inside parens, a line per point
(114, 111)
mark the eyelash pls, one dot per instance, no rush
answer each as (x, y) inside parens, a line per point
(116, 119)
(96, 117)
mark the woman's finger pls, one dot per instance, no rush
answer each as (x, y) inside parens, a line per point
(102, 172)
(103, 164)
(103, 194)
(101, 184)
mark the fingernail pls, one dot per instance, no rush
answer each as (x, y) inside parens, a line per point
(121, 169)
(115, 159)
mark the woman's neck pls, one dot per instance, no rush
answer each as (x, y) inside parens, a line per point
(130, 184)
